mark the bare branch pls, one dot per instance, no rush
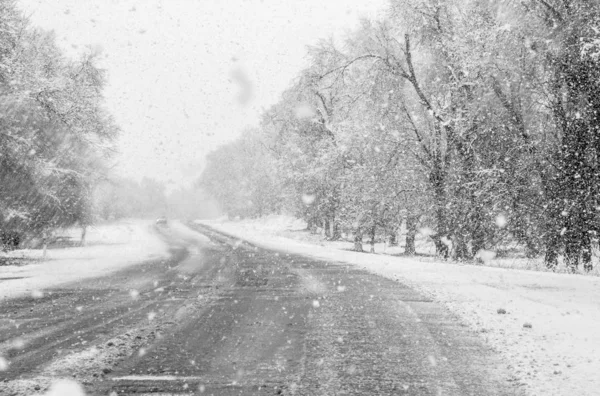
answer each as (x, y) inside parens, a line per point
(552, 10)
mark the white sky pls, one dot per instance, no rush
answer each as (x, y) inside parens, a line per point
(172, 66)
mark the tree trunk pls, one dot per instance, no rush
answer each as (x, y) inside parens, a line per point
(461, 250)
(393, 238)
(83, 234)
(552, 248)
(335, 229)
(441, 249)
(586, 256)
(327, 227)
(411, 233)
(437, 178)
(335, 233)
(45, 237)
(358, 240)
(572, 250)
(373, 229)
(531, 249)
(314, 225)
(309, 224)
(477, 229)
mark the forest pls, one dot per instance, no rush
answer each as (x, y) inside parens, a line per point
(56, 137)
(477, 120)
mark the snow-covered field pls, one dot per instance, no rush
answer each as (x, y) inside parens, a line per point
(546, 325)
(108, 248)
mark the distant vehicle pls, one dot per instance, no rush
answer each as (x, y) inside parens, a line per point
(161, 221)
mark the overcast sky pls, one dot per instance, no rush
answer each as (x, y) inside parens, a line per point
(188, 75)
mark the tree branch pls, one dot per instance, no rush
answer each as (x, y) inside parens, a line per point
(552, 10)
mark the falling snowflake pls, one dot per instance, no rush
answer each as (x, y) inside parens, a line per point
(304, 111)
(3, 364)
(432, 361)
(65, 387)
(18, 343)
(426, 231)
(308, 199)
(501, 221)
(485, 255)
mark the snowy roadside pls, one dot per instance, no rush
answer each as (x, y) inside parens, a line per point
(108, 248)
(549, 333)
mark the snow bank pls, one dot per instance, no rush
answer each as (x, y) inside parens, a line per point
(108, 248)
(184, 232)
(270, 223)
(290, 227)
(549, 333)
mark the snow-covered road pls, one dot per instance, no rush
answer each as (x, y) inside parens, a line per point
(223, 317)
(550, 333)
